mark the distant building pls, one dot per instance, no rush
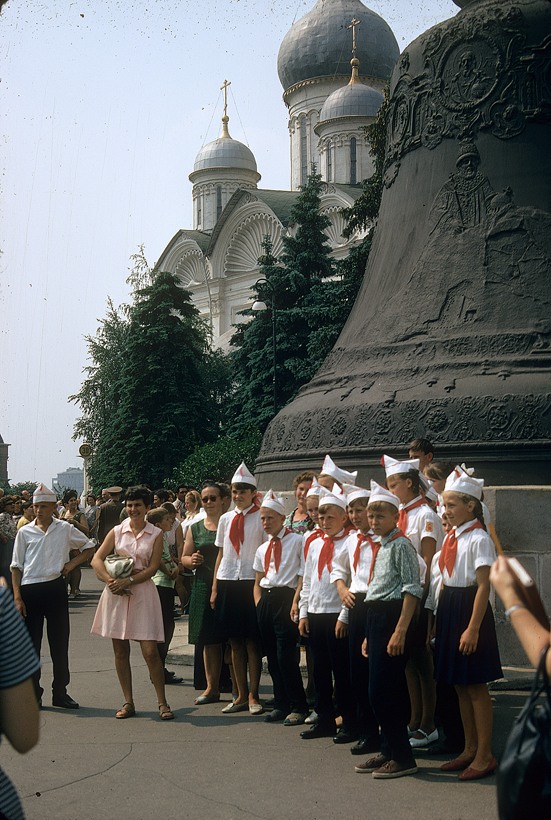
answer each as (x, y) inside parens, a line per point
(3, 460)
(330, 100)
(71, 479)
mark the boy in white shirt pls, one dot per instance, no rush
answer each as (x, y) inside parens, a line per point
(324, 621)
(278, 565)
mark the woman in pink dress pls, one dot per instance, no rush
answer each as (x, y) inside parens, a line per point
(129, 608)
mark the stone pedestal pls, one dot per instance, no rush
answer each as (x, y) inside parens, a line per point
(520, 515)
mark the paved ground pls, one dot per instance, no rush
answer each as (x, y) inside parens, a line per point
(205, 764)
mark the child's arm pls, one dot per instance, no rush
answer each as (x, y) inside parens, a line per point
(397, 642)
(294, 606)
(469, 639)
(257, 590)
(348, 598)
(214, 591)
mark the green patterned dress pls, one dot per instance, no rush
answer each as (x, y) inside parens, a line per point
(203, 625)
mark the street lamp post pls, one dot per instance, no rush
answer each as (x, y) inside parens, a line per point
(259, 306)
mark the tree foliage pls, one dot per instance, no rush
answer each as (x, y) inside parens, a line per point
(153, 390)
(303, 266)
(217, 461)
(365, 210)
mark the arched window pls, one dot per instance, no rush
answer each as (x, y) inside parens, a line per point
(303, 151)
(218, 202)
(353, 179)
(329, 161)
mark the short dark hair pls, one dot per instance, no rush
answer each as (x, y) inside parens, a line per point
(181, 487)
(422, 444)
(139, 493)
(242, 485)
(161, 494)
(438, 470)
(68, 494)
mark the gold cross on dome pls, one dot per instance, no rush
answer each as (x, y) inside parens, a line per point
(353, 26)
(224, 88)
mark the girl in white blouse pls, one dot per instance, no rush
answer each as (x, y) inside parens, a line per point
(466, 652)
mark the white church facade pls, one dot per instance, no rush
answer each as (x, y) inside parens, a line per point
(330, 100)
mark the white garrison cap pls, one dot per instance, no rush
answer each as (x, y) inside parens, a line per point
(243, 475)
(342, 476)
(334, 496)
(43, 493)
(392, 466)
(459, 481)
(273, 502)
(379, 493)
(353, 493)
(315, 489)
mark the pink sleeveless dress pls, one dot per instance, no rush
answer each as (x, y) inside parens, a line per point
(135, 617)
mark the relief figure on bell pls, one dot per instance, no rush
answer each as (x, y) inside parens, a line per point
(462, 202)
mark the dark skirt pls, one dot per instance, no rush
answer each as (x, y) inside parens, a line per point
(455, 607)
(203, 624)
(235, 610)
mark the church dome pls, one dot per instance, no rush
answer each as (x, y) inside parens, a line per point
(225, 152)
(354, 100)
(317, 45)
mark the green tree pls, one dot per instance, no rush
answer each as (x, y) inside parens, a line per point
(217, 461)
(151, 399)
(304, 264)
(365, 210)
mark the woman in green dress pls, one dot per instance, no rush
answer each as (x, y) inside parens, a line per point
(199, 555)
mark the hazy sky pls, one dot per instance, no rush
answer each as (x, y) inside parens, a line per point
(105, 105)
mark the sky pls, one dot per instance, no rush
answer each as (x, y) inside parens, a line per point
(104, 106)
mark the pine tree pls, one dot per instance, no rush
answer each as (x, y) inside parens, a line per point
(147, 402)
(304, 264)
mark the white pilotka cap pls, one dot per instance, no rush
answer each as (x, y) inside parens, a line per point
(353, 493)
(342, 476)
(334, 496)
(243, 475)
(379, 493)
(273, 502)
(459, 481)
(43, 493)
(392, 466)
(315, 489)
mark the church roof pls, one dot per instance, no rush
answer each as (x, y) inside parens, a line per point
(225, 152)
(318, 44)
(356, 100)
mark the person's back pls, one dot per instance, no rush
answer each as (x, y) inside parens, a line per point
(109, 514)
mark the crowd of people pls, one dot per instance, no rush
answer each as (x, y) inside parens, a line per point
(386, 589)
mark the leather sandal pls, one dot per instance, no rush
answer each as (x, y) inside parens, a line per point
(165, 712)
(127, 710)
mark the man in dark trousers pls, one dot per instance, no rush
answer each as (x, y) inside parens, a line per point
(41, 561)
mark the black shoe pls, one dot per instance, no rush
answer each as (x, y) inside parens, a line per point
(318, 730)
(365, 746)
(275, 715)
(64, 702)
(172, 678)
(345, 735)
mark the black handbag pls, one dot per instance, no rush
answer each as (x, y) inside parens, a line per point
(524, 774)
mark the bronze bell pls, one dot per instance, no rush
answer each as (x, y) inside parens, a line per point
(450, 336)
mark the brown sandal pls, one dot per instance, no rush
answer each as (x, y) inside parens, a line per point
(165, 712)
(126, 711)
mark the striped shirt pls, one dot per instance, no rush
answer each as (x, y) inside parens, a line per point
(18, 661)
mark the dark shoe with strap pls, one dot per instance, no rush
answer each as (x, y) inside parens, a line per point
(345, 735)
(365, 746)
(318, 730)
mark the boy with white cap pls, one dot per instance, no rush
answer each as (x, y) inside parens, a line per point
(351, 573)
(239, 535)
(40, 563)
(391, 600)
(421, 524)
(278, 565)
(324, 620)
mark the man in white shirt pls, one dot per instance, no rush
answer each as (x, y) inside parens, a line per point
(41, 561)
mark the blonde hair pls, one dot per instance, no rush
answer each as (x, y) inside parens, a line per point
(382, 506)
(157, 515)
